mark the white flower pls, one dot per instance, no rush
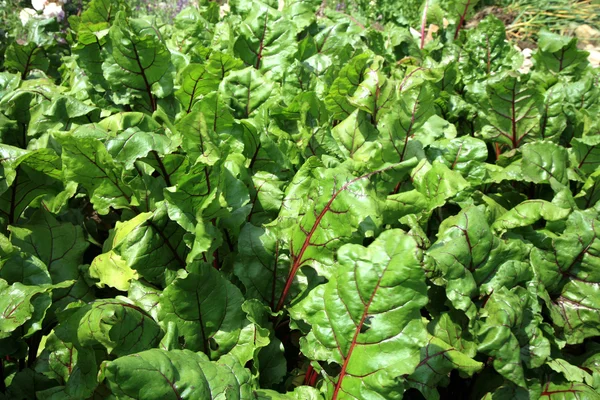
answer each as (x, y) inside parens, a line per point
(26, 14)
(61, 2)
(54, 10)
(39, 4)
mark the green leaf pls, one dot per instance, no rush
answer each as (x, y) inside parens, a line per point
(356, 137)
(206, 192)
(17, 266)
(402, 128)
(559, 54)
(438, 359)
(197, 80)
(206, 309)
(246, 91)
(133, 144)
(112, 270)
(60, 246)
(571, 372)
(145, 296)
(112, 324)
(545, 162)
(554, 119)
(585, 150)
(375, 94)
(26, 306)
(568, 391)
(299, 393)
(25, 58)
(464, 154)
(266, 41)
(57, 359)
(151, 244)
(510, 110)
(486, 50)
(176, 374)
(332, 216)
(463, 247)
(263, 265)
(137, 64)
(344, 86)
(374, 297)
(503, 313)
(568, 270)
(529, 212)
(87, 162)
(437, 183)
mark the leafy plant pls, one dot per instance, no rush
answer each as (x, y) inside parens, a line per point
(284, 203)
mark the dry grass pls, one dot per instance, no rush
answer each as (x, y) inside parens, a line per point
(559, 16)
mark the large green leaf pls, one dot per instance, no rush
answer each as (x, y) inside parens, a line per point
(87, 162)
(266, 40)
(24, 306)
(151, 244)
(340, 209)
(206, 309)
(559, 54)
(59, 245)
(117, 326)
(510, 110)
(263, 265)
(344, 86)
(366, 318)
(138, 64)
(25, 58)
(402, 128)
(246, 90)
(438, 358)
(176, 374)
(545, 162)
(568, 269)
(486, 50)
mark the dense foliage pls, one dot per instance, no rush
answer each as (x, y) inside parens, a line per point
(283, 202)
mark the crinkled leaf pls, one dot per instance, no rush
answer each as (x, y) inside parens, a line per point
(25, 58)
(545, 162)
(559, 54)
(133, 144)
(438, 358)
(176, 374)
(26, 306)
(246, 90)
(266, 40)
(87, 162)
(112, 270)
(206, 309)
(510, 110)
(60, 245)
(569, 272)
(529, 212)
(115, 325)
(138, 63)
(370, 304)
(151, 244)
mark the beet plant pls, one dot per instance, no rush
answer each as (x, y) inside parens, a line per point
(280, 201)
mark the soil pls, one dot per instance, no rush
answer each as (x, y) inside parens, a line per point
(499, 12)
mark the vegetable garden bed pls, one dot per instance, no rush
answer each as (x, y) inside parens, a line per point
(286, 201)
